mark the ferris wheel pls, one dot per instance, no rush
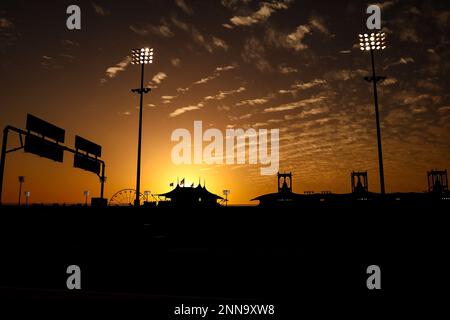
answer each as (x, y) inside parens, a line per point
(125, 197)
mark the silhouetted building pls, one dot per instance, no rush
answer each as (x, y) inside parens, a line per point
(359, 182)
(190, 197)
(437, 181)
(284, 196)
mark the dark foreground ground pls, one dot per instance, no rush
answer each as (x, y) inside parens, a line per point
(300, 260)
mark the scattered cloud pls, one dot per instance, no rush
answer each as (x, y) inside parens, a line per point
(99, 10)
(389, 82)
(252, 102)
(219, 96)
(113, 71)
(162, 30)
(182, 110)
(255, 53)
(206, 42)
(157, 79)
(176, 62)
(217, 72)
(295, 105)
(70, 43)
(219, 43)
(444, 109)
(223, 94)
(283, 69)
(264, 12)
(295, 39)
(5, 24)
(184, 6)
(318, 23)
(402, 60)
(297, 86)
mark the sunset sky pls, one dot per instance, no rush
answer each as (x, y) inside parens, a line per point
(292, 65)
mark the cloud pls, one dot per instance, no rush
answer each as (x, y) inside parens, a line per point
(264, 12)
(219, 96)
(295, 105)
(444, 109)
(5, 24)
(180, 111)
(252, 102)
(308, 85)
(70, 43)
(295, 39)
(294, 88)
(428, 85)
(386, 5)
(217, 72)
(157, 79)
(201, 40)
(255, 53)
(167, 99)
(176, 62)
(402, 60)
(310, 112)
(99, 10)
(345, 74)
(112, 72)
(226, 68)
(161, 30)
(207, 79)
(183, 6)
(223, 94)
(389, 82)
(319, 24)
(286, 69)
(219, 43)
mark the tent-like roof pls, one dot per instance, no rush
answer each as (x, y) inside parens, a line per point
(194, 192)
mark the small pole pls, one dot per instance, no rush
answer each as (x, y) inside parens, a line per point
(3, 159)
(21, 181)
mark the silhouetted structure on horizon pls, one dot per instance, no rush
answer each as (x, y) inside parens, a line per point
(437, 190)
(437, 181)
(284, 196)
(189, 197)
(359, 182)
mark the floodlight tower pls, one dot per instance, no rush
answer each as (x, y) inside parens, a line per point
(141, 57)
(372, 42)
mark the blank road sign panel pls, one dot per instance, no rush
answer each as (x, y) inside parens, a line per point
(44, 148)
(88, 146)
(86, 163)
(45, 128)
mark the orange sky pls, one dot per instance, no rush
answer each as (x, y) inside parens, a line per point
(299, 68)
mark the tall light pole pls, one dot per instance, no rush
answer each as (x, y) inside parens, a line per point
(141, 57)
(21, 181)
(372, 42)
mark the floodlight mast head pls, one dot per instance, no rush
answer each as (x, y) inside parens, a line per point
(142, 56)
(372, 41)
